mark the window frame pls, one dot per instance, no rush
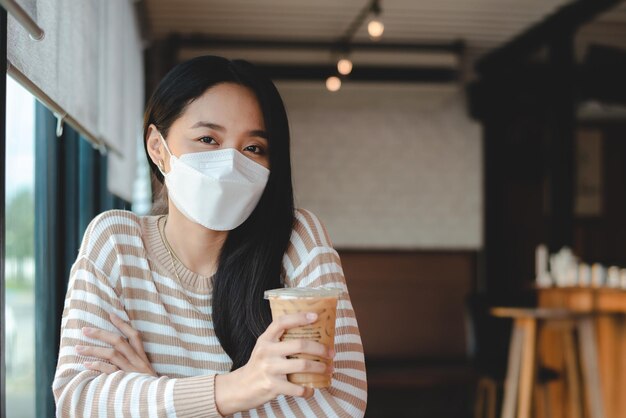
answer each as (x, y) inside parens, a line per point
(70, 189)
(3, 99)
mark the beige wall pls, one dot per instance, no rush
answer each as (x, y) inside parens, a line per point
(387, 165)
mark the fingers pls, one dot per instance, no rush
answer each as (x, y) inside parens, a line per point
(134, 337)
(291, 389)
(118, 342)
(302, 346)
(308, 393)
(278, 326)
(109, 354)
(287, 366)
(101, 367)
(127, 352)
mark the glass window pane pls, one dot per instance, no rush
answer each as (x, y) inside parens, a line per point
(20, 252)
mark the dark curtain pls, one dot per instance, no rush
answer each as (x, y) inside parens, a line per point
(70, 189)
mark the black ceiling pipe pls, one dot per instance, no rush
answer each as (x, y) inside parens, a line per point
(362, 73)
(202, 41)
(419, 74)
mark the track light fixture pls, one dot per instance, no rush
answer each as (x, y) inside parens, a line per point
(375, 29)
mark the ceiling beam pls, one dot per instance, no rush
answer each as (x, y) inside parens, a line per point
(565, 20)
(202, 41)
(362, 73)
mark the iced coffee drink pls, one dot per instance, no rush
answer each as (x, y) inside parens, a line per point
(322, 301)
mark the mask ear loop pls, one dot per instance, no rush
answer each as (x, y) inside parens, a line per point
(165, 144)
(168, 151)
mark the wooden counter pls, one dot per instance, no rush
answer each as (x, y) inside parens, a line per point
(609, 306)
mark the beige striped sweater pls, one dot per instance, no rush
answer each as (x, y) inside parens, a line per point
(124, 267)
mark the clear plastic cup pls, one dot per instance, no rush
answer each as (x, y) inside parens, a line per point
(321, 300)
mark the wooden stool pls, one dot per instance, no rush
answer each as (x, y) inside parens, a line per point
(523, 363)
(486, 394)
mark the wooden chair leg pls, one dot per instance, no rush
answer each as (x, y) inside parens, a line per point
(479, 406)
(572, 380)
(546, 396)
(589, 357)
(542, 401)
(527, 371)
(492, 394)
(620, 362)
(511, 383)
(538, 402)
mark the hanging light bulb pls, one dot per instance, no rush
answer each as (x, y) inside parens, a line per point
(375, 28)
(333, 83)
(344, 66)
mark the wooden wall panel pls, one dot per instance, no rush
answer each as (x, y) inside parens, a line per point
(410, 304)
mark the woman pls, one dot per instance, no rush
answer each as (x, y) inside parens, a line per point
(164, 314)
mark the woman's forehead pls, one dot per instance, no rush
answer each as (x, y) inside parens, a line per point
(226, 104)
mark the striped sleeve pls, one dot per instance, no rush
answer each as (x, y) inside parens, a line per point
(313, 262)
(80, 392)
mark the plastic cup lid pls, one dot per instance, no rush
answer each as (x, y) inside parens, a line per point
(303, 292)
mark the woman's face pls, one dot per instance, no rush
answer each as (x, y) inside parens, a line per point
(227, 115)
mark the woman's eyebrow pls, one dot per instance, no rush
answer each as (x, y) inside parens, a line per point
(255, 132)
(260, 133)
(202, 124)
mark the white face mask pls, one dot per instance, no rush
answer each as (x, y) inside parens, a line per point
(217, 189)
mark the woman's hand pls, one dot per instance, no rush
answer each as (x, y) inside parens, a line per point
(263, 378)
(127, 353)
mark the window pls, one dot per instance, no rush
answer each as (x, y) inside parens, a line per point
(54, 187)
(20, 253)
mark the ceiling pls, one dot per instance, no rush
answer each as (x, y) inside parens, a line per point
(482, 24)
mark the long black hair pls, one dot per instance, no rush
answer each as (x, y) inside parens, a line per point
(250, 261)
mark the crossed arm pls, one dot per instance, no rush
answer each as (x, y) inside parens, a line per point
(120, 381)
(263, 376)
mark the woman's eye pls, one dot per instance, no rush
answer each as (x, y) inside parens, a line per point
(207, 140)
(255, 149)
